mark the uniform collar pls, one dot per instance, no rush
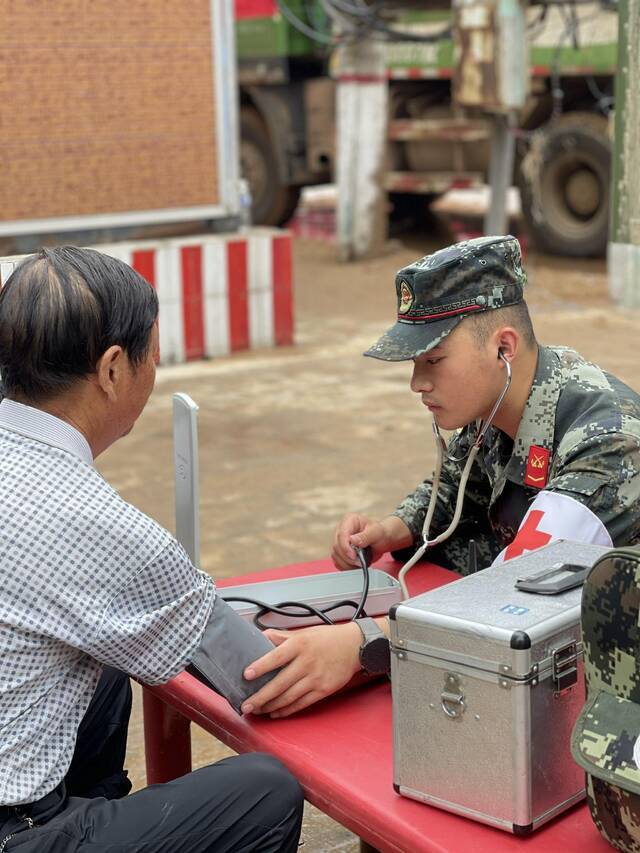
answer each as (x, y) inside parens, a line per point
(537, 426)
(41, 426)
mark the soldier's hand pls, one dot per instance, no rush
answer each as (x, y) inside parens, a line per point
(360, 531)
(390, 534)
(313, 662)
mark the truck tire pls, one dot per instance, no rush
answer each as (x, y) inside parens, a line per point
(564, 185)
(272, 203)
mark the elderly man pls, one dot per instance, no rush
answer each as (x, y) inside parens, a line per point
(92, 589)
(552, 453)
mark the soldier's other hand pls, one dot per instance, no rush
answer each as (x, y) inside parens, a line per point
(313, 662)
(361, 531)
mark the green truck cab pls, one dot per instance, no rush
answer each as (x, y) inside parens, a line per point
(563, 154)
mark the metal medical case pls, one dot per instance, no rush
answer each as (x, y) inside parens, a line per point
(487, 684)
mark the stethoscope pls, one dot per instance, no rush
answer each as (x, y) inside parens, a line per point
(442, 451)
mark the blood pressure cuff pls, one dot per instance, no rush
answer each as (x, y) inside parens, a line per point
(229, 644)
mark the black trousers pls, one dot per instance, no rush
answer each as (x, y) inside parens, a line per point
(245, 803)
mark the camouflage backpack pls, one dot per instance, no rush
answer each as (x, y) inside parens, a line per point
(606, 737)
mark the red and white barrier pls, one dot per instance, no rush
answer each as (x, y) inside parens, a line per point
(218, 293)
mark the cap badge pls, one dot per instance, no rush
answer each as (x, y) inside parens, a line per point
(406, 298)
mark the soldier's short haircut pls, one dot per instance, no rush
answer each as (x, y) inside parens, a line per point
(60, 310)
(484, 323)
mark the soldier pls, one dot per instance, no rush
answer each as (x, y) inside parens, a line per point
(562, 456)
(552, 453)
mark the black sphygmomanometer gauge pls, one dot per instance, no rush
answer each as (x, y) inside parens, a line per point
(560, 577)
(303, 610)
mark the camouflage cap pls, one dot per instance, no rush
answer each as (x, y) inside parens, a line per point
(438, 291)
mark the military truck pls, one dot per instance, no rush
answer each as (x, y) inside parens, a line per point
(563, 138)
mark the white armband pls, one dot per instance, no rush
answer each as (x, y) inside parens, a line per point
(555, 516)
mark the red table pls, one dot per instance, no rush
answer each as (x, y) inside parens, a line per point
(341, 752)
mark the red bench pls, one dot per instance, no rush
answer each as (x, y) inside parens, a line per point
(341, 752)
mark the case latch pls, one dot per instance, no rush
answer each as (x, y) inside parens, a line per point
(564, 667)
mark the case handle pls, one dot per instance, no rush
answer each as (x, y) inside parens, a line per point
(452, 698)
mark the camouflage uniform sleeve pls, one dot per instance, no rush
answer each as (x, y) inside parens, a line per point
(603, 473)
(413, 508)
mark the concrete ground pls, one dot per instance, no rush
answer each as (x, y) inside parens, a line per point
(292, 438)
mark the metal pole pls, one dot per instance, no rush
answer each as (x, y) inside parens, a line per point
(167, 734)
(624, 237)
(361, 121)
(185, 460)
(500, 174)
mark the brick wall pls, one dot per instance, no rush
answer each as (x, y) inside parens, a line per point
(105, 106)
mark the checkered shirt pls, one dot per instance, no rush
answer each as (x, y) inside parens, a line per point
(87, 580)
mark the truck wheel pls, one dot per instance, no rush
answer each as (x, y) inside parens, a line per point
(564, 184)
(272, 203)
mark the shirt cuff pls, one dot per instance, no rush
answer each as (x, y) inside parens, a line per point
(229, 644)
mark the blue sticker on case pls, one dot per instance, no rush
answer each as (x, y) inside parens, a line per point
(514, 610)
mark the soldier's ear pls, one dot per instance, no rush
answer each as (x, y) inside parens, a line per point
(507, 343)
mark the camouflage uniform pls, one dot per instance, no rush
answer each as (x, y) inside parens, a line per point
(587, 419)
(606, 733)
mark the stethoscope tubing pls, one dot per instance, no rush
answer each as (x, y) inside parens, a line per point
(441, 449)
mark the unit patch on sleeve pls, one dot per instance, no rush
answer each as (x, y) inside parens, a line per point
(537, 472)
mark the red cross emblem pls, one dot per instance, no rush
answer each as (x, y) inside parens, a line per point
(528, 538)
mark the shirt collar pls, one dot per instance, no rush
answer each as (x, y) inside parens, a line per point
(41, 426)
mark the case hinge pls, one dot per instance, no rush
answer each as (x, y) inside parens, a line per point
(564, 667)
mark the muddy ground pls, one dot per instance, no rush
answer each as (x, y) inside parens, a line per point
(292, 438)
